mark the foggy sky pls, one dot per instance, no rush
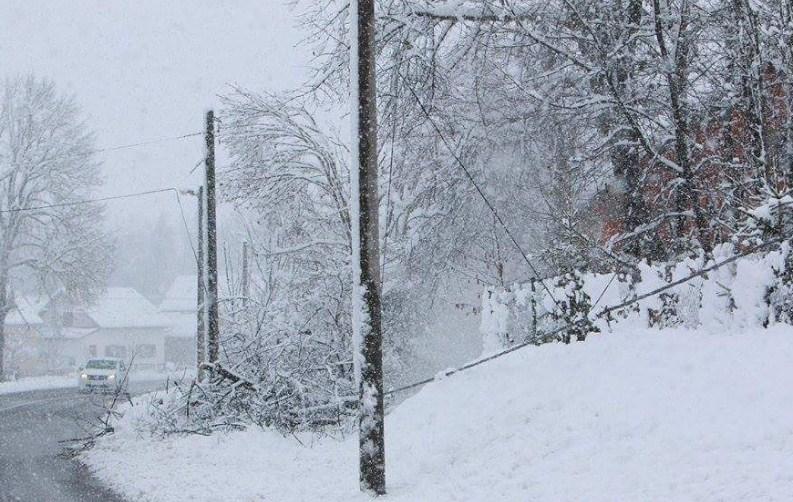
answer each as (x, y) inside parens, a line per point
(145, 69)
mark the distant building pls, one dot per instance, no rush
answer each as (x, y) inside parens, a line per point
(56, 335)
(179, 309)
(121, 323)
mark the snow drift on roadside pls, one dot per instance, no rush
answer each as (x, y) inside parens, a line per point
(38, 383)
(673, 415)
(70, 381)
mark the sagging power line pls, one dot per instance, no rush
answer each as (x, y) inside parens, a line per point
(606, 311)
(476, 186)
(89, 201)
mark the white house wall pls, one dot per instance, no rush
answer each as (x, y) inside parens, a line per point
(73, 352)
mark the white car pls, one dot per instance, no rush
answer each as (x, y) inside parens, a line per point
(106, 374)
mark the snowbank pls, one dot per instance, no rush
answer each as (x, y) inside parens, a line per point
(38, 383)
(70, 381)
(641, 415)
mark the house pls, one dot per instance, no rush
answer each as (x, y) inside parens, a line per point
(57, 335)
(179, 309)
(120, 323)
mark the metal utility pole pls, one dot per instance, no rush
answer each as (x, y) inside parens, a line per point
(201, 343)
(213, 324)
(367, 334)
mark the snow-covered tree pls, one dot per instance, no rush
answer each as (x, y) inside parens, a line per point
(47, 165)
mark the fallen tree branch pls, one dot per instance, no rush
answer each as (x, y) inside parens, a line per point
(217, 369)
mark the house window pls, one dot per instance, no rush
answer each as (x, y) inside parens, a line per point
(92, 350)
(146, 350)
(116, 351)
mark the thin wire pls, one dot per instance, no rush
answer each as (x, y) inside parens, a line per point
(150, 142)
(699, 273)
(187, 229)
(483, 360)
(388, 190)
(124, 147)
(602, 293)
(476, 186)
(87, 201)
(116, 197)
(200, 161)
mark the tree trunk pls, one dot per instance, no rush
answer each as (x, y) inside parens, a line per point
(4, 308)
(677, 80)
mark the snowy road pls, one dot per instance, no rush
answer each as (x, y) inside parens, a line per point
(31, 424)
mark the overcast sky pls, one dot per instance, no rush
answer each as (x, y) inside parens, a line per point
(148, 69)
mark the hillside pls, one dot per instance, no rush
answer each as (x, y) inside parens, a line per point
(642, 415)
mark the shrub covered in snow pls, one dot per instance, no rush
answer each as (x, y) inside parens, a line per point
(752, 291)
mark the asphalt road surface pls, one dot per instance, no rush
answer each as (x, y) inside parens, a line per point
(31, 426)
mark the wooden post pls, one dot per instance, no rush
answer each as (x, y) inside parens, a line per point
(213, 323)
(201, 320)
(367, 334)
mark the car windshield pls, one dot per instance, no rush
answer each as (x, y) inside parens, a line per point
(101, 364)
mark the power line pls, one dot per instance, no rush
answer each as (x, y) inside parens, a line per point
(87, 201)
(117, 197)
(139, 144)
(146, 143)
(484, 359)
(176, 192)
(187, 229)
(699, 273)
(477, 187)
(604, 312)
(602, 293)
(200, 161)
(123, 147)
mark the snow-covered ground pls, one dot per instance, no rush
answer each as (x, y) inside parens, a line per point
(68, 381)
(38, 383)
(641, 415)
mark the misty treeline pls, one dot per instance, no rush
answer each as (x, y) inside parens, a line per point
(604, 133)
(48, 244)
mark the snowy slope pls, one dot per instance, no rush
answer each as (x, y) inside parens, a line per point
(645, 415)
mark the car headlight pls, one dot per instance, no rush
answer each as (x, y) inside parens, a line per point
(84, 376)
(111, 377)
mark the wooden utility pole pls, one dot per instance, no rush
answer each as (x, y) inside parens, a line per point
(246, 280)
(213, 324)
(201, 343)
(367, 334)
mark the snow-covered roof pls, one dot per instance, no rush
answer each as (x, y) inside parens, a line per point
(125, 308)
(181, 296)
(67, 333)
(26, 311)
